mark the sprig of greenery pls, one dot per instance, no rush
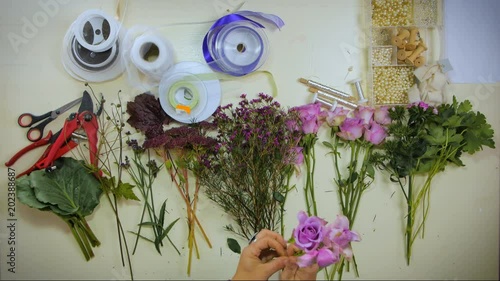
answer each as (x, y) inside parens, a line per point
(144, 176)
(424, 140)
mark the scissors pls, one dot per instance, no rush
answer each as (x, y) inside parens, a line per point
(35, 133)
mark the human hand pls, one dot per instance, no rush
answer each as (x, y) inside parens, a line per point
(293, 272)
(262, 258)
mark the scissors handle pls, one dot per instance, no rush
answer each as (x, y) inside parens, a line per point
(28, 148)
(36, 133)
(28, 119)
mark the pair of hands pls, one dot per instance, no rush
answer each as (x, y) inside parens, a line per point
(268, 254)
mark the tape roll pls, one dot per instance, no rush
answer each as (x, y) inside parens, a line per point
(189, 92)
(147, 57)
(92, 46)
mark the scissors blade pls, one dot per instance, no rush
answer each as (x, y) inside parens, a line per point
(64, 108)
(87, 103)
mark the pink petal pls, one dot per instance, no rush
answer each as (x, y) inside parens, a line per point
(341, 222)
(326, 257)
(302, 217)
(307, 259)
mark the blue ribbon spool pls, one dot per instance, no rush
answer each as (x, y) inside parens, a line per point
(237, 45)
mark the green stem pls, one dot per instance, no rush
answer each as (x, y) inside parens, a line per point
(409, 220)
(315, 209)
(308, 179)
(77, 238)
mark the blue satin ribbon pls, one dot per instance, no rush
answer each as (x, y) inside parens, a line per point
(238, 16)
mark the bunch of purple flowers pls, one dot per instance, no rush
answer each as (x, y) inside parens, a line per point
(321, 242)
(249, 170)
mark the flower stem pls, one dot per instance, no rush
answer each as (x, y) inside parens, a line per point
(409, 220)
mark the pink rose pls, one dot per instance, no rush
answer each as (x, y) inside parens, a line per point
(309, 115)
(365, 113)
(310, 232)
(381, 115)
(375, 133)
(336, 117)
(351, 129)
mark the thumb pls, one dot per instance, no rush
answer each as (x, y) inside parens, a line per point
(274, 265)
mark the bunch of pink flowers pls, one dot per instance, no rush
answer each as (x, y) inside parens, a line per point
(367, 122)
(321, 242)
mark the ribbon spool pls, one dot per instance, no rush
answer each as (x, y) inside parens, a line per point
(147, 56)
(189, 92)
(237, 45)
(91, 47)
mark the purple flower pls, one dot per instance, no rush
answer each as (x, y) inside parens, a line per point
(375, 133)
(381, 115)
(342, 236)
(420, 104)
(364, 113)
(298, 156)
(351, 129)
(309, 115)
(324, 257)
(309, 233)
(336, 117)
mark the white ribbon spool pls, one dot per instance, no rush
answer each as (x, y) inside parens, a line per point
(92, 46)
(95, 30)
(189, 75)
(143, 72)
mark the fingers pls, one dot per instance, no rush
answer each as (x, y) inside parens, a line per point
(273, 266)
(265, 243)
(268, 233)
(292, 249)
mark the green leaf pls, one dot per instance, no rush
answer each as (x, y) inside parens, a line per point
(279, 197)
(26, 194)
(353, 177)
(234, 245)
(464, 107)
(453, 122)
(161, 219)
(370, 171)
(70, 189)
(436, 135)
(328, 144)
(125, 190)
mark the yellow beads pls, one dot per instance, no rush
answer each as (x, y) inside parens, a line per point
(382, 56)
(391, 12)
(391, 84)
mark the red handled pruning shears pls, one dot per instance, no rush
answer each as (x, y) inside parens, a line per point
(35, 133)
(64, 140)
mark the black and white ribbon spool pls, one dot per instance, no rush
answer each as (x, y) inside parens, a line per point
(91, 47)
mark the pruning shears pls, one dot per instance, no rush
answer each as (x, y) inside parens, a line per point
(66, 138)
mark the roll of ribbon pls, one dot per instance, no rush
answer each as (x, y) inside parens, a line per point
(147, 56)
(236, 44)
(91, 47)
(189, 92)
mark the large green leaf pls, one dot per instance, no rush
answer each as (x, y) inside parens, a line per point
(70, 189)
(26, 194)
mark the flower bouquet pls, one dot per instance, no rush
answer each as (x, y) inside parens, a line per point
(248, 173)
(357, 133)
(424, 140)
(321, 242)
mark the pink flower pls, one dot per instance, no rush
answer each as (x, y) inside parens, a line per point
(351, 129)
(336, 117)
(375, 133)
(420, 104)
(309, 233)
(298, 155)
(365, 113)
(309, 115)
(342, 236)
(381, 115)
